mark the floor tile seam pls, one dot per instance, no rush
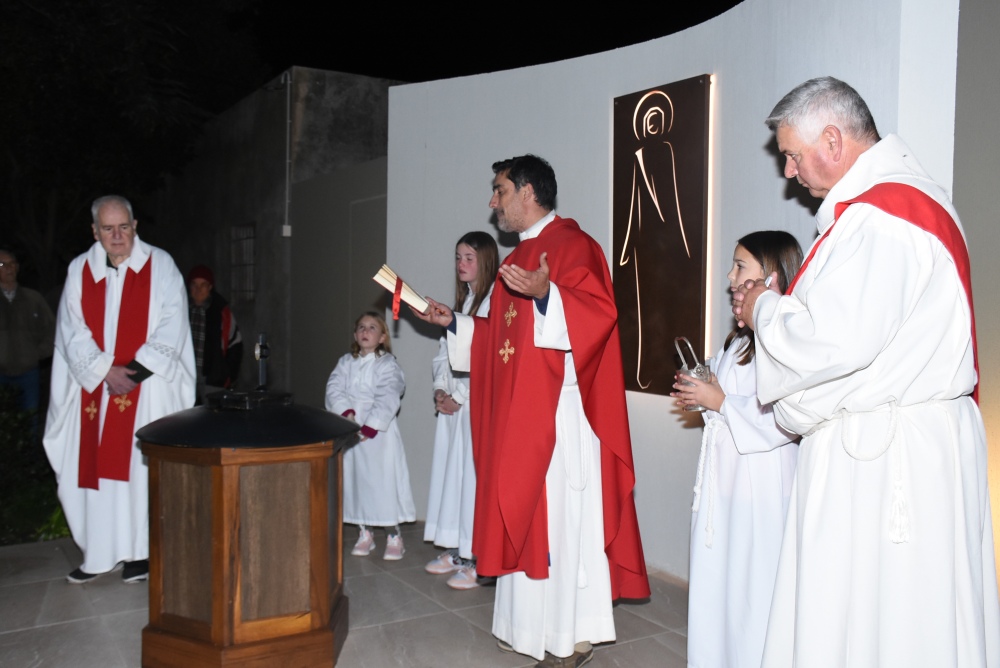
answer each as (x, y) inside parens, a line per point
(471, 606)
(605, 647)
(420, 593)
(678, 655)
(106, 623)
(652, 619)
(29, 582)
(658, 624)
(392, 573)
(387, 625)
(50, 624)
(396, 621)
(644, 636)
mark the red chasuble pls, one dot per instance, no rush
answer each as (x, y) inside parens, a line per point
(517, 388)
(108, 454)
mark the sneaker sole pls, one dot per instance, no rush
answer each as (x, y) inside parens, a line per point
(393, 557)
(441, 570)
(463, 585)
(93, 576)
(136, 578)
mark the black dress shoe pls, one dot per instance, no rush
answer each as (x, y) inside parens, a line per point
(135, 571)
(80, 577)
(583, 654)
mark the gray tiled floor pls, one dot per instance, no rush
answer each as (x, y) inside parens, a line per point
(399, 616)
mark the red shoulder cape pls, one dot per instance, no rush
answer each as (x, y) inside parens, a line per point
(513, 424)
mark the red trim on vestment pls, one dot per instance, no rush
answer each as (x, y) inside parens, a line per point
(110, 455)
(812, 251)
(920, 209)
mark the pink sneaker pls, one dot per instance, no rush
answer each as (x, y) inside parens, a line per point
(445, 563)
(465, 578)
(365, 544)
(393, 548)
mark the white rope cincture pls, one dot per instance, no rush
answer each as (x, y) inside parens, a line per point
(585, 446)
(712, 424)
(899, 512)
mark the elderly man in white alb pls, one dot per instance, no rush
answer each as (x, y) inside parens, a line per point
(887, 558)
(123, 359)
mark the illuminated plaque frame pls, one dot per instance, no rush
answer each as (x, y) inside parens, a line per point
(660, 226)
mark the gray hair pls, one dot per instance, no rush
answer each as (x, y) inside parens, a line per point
(95, 208)
(813, 105)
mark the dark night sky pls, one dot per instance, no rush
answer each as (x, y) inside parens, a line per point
(101, 92)
(421, 44)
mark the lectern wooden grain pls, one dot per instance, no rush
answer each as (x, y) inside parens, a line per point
(245, 538)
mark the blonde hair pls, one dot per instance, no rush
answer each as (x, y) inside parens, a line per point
(385, 346)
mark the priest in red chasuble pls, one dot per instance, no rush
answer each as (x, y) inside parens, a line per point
(555, 518)
(123, 359)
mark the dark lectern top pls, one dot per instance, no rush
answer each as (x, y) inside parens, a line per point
(257, 419)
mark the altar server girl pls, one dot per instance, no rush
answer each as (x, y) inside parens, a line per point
(366, 386)
(452, 498)
(744, 478)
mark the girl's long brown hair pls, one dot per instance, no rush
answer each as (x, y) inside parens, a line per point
(487, 262)
(776, 251)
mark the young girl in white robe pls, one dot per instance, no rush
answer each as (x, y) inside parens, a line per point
(452, 498)
(366, 386)
(744, 478)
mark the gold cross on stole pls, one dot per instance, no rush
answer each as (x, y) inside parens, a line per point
(506, 351)
(122, 402)
(91, 409)
(510, 314)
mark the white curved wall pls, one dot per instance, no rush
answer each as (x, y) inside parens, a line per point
(444, 135)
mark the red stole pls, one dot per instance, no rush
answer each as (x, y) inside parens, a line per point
(108, 454)
(920, 209)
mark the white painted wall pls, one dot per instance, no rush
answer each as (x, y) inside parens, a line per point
(444, 135)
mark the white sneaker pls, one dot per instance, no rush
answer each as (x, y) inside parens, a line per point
(465, 578)
(393, 548)
(445, 563)
(365, 544)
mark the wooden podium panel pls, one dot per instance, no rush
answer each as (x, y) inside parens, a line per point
(245, 557)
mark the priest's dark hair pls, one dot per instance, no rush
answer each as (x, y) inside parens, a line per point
(385, 346)
(776, 251)
(487, 263)
(525, 169)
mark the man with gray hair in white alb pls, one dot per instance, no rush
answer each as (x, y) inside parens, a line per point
(887, 558)
(123, 358)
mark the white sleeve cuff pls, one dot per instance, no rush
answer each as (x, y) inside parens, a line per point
(460, 343)
(550, 329)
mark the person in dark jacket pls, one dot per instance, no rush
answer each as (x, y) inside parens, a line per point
(218, 345)
(27, 333)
